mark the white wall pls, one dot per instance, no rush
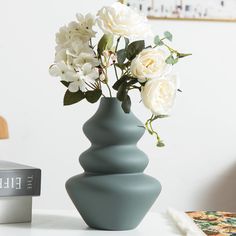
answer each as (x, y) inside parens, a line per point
(197, 168)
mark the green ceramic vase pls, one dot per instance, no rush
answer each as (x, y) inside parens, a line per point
(113, 193)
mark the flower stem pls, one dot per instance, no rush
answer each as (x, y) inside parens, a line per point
(90, 42)
(178, 54)
(109, 89)
(151, 131)
(117, 44)
(92, 86)
(170, 49)
(117, 78)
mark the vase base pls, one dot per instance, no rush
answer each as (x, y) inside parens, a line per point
(112, 229)
(113, 202)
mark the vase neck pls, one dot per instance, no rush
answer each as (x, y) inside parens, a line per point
(109, 105)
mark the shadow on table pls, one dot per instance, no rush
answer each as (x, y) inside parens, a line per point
(67, 223)
(221, 194)
(54, 222)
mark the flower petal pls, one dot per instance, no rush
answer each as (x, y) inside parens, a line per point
(74, 87)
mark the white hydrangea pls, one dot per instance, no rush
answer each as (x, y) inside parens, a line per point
(80, 79)
(85, 57)
(62, 70)
(86, 76)
(78, 46)
(86, 24)
(75, 60)
(81, 30)
(63, 39)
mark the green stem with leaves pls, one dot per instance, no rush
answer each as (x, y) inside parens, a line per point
(151, 131)
(104, 71)
(116, 73)
(116, 48)
(178, 54)
(109, 89)
(117, 44)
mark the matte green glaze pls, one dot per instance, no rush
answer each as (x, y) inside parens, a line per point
(113, 193)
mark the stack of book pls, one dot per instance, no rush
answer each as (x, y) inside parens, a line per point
(205, 223)
(216, 223)
(18, 184)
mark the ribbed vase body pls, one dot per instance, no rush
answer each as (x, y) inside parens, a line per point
(113, 193)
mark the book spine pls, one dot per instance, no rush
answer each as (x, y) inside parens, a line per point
(23, 182)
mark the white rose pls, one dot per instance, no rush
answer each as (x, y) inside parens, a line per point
(158, 95)
(121, 20)
(149, 63)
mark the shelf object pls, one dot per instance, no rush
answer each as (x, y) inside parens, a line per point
(18, 184)
(3, 129)
(221, 11)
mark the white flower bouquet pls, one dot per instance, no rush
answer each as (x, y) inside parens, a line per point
(83, 65)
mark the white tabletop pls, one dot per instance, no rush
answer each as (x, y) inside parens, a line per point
(69, 223)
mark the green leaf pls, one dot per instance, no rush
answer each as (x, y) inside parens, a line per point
(124, 79)
(105, 43)
(162, 116)
(122, 92)
(71, 98)
(65, 83)
(126, 42)
(132, 81)
(181, 55)
(93, 96)
(158, 41)
(168, 35)
(171, 60)
(134, 49)
(160, 144)
(121, 56)
(176, 60)
(118, 83)
(121, 66)
(124, 65)
(127, 64)
(126, 104)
